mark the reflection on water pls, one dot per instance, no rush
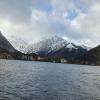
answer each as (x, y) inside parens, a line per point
(20, 80)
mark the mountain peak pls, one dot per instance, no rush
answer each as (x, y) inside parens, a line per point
(56, 37)
(51, 44)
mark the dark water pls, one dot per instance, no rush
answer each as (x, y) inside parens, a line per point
(20, 80)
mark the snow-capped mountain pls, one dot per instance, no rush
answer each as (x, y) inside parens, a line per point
(53, 47)
(18, 43)
(52, 44)
(47, 45)
(85, 47)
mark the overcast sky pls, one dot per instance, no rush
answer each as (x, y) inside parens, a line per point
(74, 20)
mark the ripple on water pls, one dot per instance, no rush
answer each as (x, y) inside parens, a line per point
(47, 81)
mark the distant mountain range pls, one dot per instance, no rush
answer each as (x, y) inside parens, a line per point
(54, 49)
(53, 43)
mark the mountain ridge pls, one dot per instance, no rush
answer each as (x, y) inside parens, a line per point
(51, 44)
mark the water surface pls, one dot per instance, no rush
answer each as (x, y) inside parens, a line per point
(25, 80)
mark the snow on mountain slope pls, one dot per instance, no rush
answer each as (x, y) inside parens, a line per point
(50, 45)
(85, 47)
(45, 46)
(18, 43)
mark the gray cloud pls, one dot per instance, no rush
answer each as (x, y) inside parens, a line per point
(34, 19)
(16, 10)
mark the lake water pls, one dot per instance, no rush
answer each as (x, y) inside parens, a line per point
(23, 80)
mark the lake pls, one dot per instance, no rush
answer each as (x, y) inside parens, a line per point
(27, 80)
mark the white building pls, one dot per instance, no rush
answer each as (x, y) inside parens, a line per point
(63, 61)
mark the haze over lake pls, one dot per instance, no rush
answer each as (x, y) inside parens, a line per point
(23, 80)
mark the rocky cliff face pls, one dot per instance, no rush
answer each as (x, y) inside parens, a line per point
(5, 45)
(70, 54)
(92, 56)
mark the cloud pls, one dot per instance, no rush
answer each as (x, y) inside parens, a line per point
(76, 20)
(87, 25)
(15, 10)
(44, 5)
